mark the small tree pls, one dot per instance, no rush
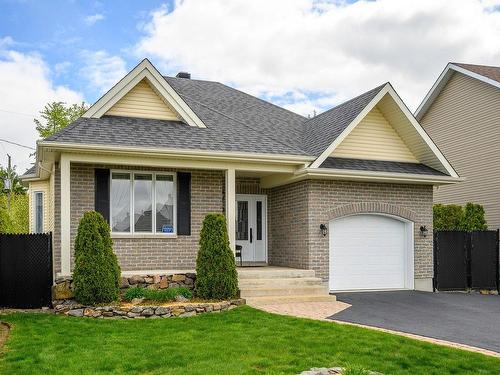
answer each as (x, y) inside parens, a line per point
(216, 276)
(447, 217)
(473, 218)
(97, 274)
(56, 116)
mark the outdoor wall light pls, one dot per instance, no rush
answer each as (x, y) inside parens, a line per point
(324, 230)
(423, 231)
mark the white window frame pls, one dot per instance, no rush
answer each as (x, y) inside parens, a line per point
(35, 210)
(132, 232)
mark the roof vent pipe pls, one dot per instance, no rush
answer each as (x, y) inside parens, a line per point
(184, 75)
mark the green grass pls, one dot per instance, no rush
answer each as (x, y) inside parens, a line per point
(241, 341)
(160, 295)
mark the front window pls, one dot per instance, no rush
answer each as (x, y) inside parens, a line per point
(38, 212)
(151, 199)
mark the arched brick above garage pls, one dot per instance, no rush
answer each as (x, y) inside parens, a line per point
(372, 207)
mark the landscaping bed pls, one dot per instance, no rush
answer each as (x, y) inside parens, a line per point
(146, 309)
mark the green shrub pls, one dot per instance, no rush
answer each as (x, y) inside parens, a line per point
(97, 274)
(15, 219)
(216, 276)
(473, 218)
(447, 217)
(160, 295)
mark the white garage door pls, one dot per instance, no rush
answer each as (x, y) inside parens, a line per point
(372, 252)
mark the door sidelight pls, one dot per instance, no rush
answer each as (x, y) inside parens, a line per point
(251, 235)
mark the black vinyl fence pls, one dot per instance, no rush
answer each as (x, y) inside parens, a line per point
(26, 270)
(466, 260)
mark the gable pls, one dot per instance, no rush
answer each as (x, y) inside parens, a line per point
(142, 101)
(374, 138)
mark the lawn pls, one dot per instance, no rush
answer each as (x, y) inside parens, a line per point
(241, 341)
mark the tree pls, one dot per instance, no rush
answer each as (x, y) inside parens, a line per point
(56, 116)
(447, 217)
(97, 274)
(216, 276)
(473, 218)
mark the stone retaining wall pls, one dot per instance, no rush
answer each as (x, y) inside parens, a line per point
(142, 312)
(63, 288)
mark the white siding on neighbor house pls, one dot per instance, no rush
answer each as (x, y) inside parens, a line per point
(464, 122)
(48, 199)
(375, 139)
(142, 101)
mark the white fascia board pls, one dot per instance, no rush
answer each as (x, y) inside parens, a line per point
(441, 82)
(350, 127)
(221, 155)
(381, 176)
(144, 70)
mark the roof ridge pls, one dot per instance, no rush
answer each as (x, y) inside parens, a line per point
(240, 122)
(481, 65)
(346, 102)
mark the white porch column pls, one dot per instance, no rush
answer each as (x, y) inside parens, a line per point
(230, 206)
(65, 216)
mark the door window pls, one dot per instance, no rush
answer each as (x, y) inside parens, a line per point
(242, 220)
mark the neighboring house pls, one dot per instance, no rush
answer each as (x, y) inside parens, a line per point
(461, 113)
(347, 193)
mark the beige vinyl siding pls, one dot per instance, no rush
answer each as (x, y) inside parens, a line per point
(48, 216)
(142, 101)
(374, 138)
(464, 122)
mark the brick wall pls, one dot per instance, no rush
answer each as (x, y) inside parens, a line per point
(297, 210)
(150, 253)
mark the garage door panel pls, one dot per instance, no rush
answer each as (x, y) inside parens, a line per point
(368, 252)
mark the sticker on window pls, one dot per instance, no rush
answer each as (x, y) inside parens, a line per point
(167, 229)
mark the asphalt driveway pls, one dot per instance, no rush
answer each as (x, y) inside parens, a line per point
(470, 319)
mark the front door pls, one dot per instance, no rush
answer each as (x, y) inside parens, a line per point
(251, 227)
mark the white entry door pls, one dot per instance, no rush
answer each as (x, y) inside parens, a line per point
(251, 227)
(370, 252)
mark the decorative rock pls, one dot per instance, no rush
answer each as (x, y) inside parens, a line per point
(238, 302)
(124, 283)
(191, 275)
(76, 312)
(148, 280)
(133, 315)
(136, 280)
(137, 309)
(156, 279)
(178, 278)
(217, 306)
(162, 310)
(107, 314)
(187, 314)
(209, 308)
(190, 308)
(137, 301)
(180, 298)
(188, 281)
(148, 312)
(178, 311)
(63, 290)
(163, 283)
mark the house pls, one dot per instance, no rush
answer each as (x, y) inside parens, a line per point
(347, 194)
(461, 113)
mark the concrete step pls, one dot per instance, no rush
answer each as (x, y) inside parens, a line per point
(311, 290)
(279, 282)
(272, 273)
(259, 301)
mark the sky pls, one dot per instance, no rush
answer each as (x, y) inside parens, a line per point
(304, 55)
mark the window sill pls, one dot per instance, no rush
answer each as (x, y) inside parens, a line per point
(145, 235)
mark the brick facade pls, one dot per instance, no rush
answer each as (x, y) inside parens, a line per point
(149, 253)
(297, 210)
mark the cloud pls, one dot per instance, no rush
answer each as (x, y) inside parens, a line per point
(101, 70)
(25, 87)
(93, 19)
(337, 49)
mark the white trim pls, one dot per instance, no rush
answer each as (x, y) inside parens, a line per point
(387, 89)
(230, 176)
(144, 70)
(409, 261)
(65, 194)
(153, 233)
(441, 82)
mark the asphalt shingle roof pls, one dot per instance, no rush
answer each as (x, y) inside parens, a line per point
(379, 166)
(491, 72)
(322, 130)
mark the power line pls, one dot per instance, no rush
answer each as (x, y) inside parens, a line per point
(16, 144)
(17, 113)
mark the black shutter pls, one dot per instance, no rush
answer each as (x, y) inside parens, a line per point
(101, 191)
(184, 203)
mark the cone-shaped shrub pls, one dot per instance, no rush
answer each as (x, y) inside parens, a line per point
(97, 275)
(216, 276)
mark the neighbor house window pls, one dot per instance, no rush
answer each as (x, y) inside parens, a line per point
(143, 202)
(38, 211)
